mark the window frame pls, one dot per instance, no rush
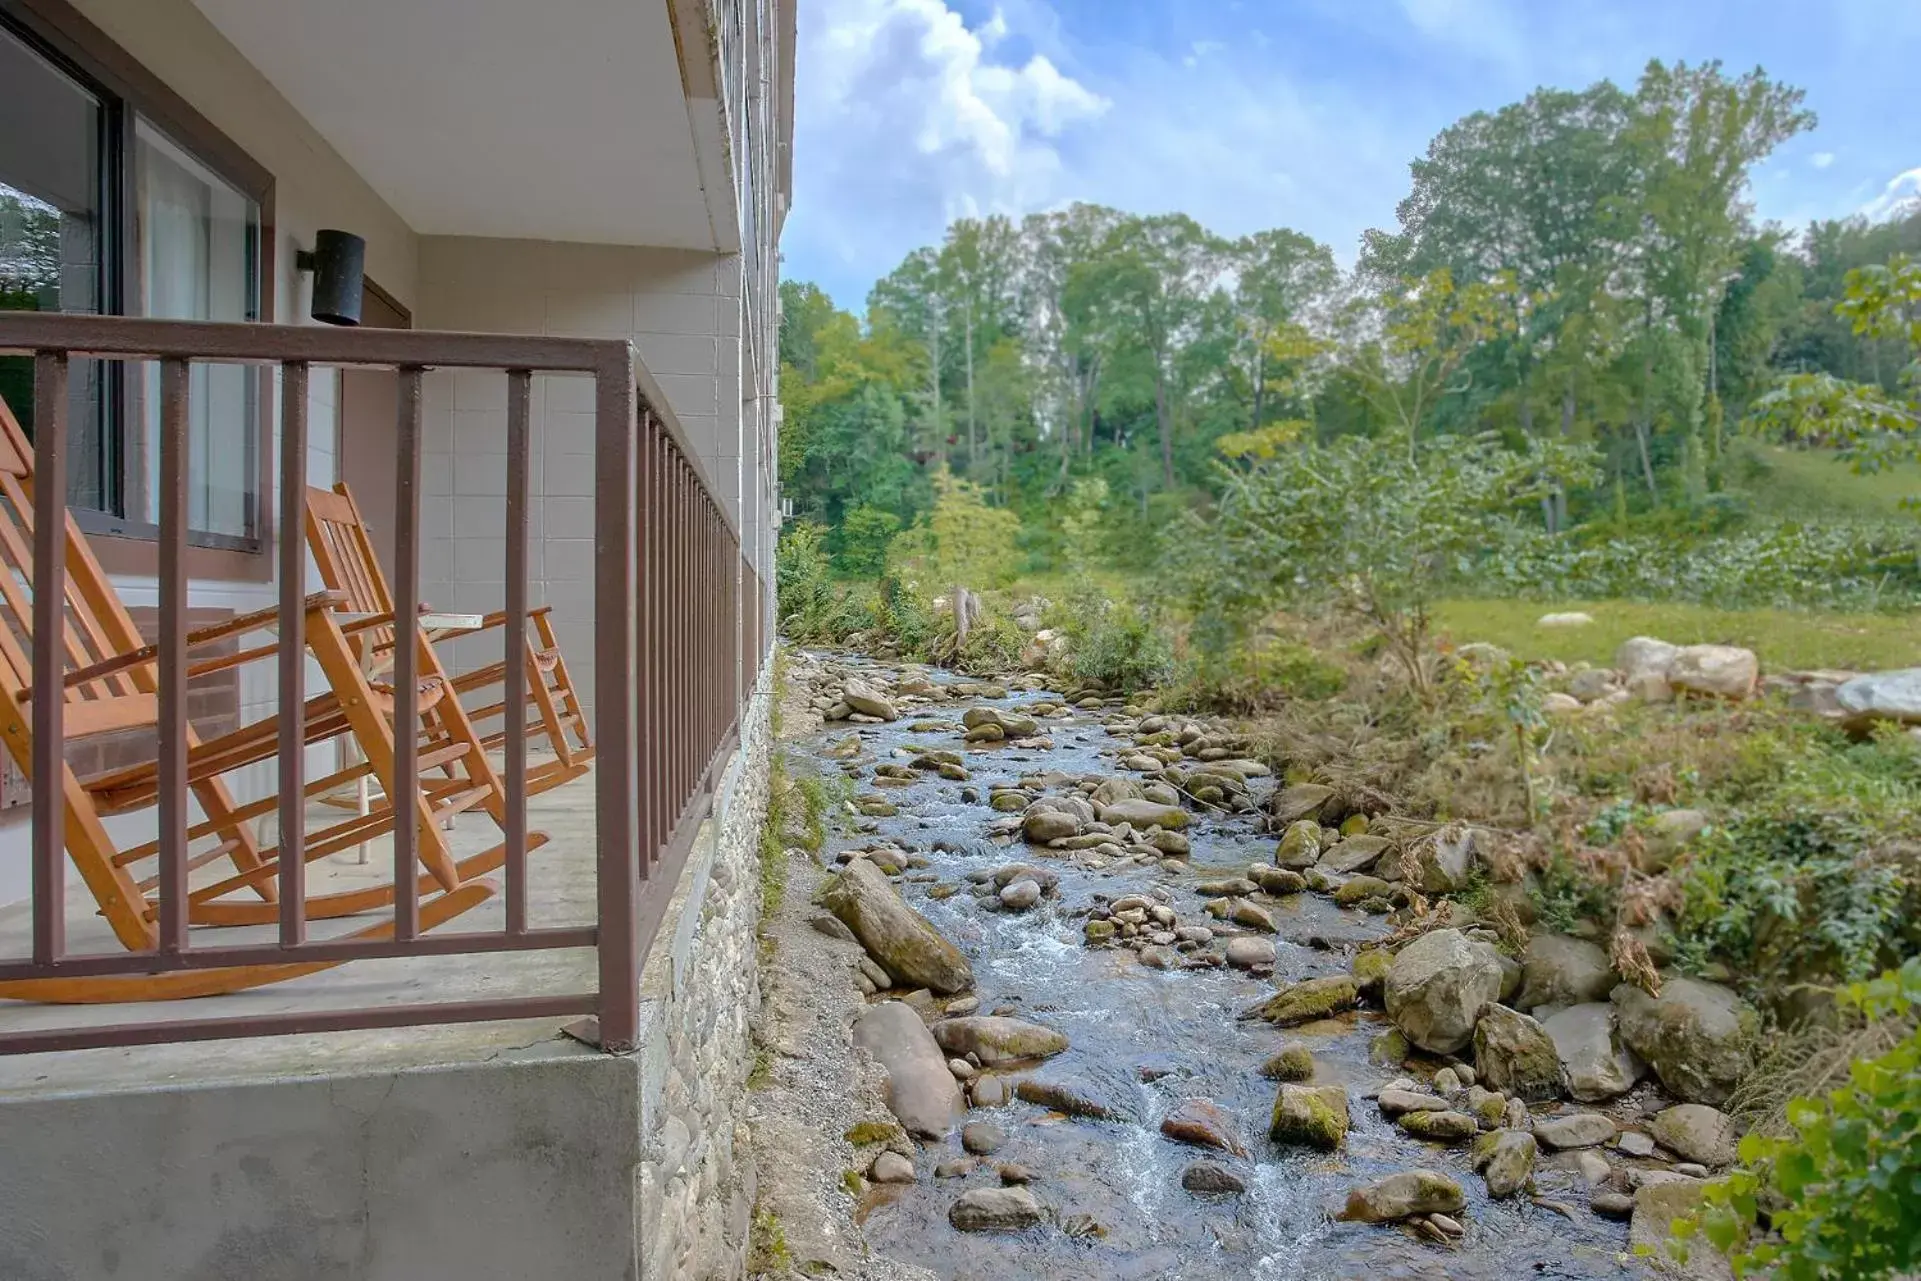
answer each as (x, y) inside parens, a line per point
(129, 92)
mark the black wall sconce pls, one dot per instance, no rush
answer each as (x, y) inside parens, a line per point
(338, 262)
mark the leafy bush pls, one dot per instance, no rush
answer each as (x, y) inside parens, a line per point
(1841, 1197)
(963, 540)
(1257, 677)
(994, 645)
(1371, 527)
(1834, 566)
(1794, 896)
(1123, 649)
(863, 537)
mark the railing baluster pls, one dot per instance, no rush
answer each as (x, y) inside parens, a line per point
(616, 811)
(49, 623)
(409, 810)
(514, 676)
(292, 660)
(646, 742)
(172, 723)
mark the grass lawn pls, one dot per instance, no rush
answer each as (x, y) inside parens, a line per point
(1785, 639)
(1811, 483)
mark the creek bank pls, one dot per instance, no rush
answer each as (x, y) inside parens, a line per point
(1179, 905)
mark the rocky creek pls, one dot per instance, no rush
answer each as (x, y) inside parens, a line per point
(1128, 1042)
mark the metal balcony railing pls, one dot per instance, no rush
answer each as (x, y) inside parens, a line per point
(679, 631)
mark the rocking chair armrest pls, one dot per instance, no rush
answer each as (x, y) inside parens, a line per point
(238, 625)
(490, 621)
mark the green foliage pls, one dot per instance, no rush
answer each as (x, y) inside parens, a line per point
(813, 606)
(963, 541)
(1568, 899)
(1122, 648)
(1256, 677)
(994, 645)
(863, 535)
(1358, 524)
(1839, 1199)
(1797, 896)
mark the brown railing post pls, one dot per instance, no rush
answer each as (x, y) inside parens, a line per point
(172, 723)
(404, 788)
(292, 660)
(49, 674)
(514, 675)
(616, 783)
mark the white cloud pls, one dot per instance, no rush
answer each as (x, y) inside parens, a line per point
(906, 122)
(1821, 159)
(1901, 196)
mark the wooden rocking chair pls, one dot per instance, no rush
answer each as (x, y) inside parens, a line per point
(111, 684)
(343, 548)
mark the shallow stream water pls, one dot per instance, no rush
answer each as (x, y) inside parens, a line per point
(1122, 1017)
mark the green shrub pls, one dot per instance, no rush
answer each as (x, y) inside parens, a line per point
(1122, 649)
(1257, 677)
(1841, 1197)
(1794, 896)
(994, 645)
(863, 537)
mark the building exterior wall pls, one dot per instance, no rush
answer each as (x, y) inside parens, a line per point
(547, 1159)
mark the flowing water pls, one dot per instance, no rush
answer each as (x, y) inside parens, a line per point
(1123, 1017)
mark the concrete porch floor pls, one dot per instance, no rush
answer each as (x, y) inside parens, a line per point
(561, 893)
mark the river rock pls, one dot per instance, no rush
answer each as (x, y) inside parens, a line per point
(1640, 655)
(1020, 895)
(921, 1090)
(868, 701)
(1354, 854)
(891, 1167)
(1309, 1000)
(1302, 800)
(1040, 826)
(1881, 696)
(1696, 1132)
(1313, 1116)
(996, 1039)
(1144, 813)
(1114, 790)
(1277, 881)
(1393, 1102)
(1010, 724)
(983, 1138)
(1004, 1209)
(1515, 1055)
(1720, 671)
(1574, 1130)
(1212, 1177)
(1300, 846)
(1362, 891)
(1510, 1162)
(1558, 970)
(1249, 953)
(1447, 861)
(1202, 1123)
(1698, 1037)
(1295, 1063)
(1250, 915)
(1440, 1127)
(1438, 986)
(897, 936)
(1656, 1207)
(1400, 1196)
(1071, 1096)
(1667, 834)
(1596, 1063)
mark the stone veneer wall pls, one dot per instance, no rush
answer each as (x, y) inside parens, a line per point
(696, 1187)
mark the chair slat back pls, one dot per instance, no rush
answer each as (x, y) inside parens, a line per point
(97, 625)
(343, 549)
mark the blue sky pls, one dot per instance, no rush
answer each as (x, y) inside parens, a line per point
(1262, 113)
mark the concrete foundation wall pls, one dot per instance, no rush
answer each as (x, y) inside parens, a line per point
(544, 1159)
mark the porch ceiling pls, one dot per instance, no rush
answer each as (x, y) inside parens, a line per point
(561, 120)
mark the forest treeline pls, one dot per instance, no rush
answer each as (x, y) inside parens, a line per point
(1582, 266)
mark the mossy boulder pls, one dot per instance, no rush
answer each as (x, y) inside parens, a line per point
(1403, 1195)
(1308, 1000)
(897, 936)
(1515, 1055)
(1295, 1063)
(1506, 1158)
(1698, 1037)
(1300, 846)
(1440, 1127)
(1311, 1116)
(1438, 986)
(998, 1040)
(1370, 971)
(1359, 889)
